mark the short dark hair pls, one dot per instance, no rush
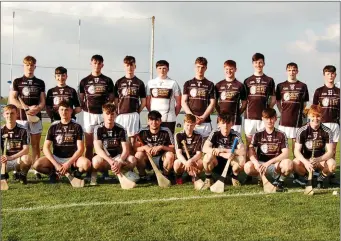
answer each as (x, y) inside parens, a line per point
(258, 56)
(224, 118)
(60, 70)
(154, 115)
(162, 63)
(129, 60)
(65, 104)
(98, 58)
(269, 113)
(292, 64)
(329, 68)
(201, 60)
(230, 63)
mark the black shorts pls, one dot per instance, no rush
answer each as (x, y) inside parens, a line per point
(158, 160)
(221, 165)
(170, 125)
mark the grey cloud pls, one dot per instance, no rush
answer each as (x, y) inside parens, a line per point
(327, 46)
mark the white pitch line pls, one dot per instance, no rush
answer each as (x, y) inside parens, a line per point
(71, 205)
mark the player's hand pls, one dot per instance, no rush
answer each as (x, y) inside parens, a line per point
(33, 110)
(257, 166)
(147, 149)
(64, 168)
(4, 159)
(262, 168)
(315, 161)
(216, 151)
(309, 166)
(155, 150)
(225, 155)
(199, 120)
(58, 168)
(116, 167)
(188, 165)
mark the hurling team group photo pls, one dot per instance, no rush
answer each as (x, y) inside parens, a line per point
(267, 133)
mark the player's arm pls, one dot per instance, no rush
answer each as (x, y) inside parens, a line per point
(178, 104)
(78, 153)
(35, 109)
(184, 104)
(168, 148)
(47, 152)
(142, 104)
(207, 149)
(140, 145)
(125, 150)
(77, 110)
(272, 101)
(98, 145)
(282, 156)
(148, 101)
(243, 107)
(13, 99)
(239, 151)
(326, 156)
(209, 109)
(82, 100)
(24, 151)
(299, 156)
(180, 156)
(253, 155)
(279, 105)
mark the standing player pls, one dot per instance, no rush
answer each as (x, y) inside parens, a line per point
(94, 91)
(164, 96)
(217, 149)
(66, 138)
(260, 92)
(292, 96)
(112, 137)
(130, 99)
(158, 142)
(317, 136)
(272, 152)
(231, 95)
(17, 157)
(198, 98)
(328, 97)
(61, 92)
(193, 166)
(32, 92)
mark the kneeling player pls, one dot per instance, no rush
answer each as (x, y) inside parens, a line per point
(158, 142)
(193, 142)
(218, 149)
(111, 145)
(16, 158)
(272, 153)
(310, 148)
(66, 138)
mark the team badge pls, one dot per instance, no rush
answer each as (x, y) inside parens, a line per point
(56, 100)
(309, 144)
(258, 80)
(229, 85)
(264, 148)
(253, 90)
(193, 92)
(61, 91)
(96, 80)
(189, 141)
(124, 91)
(26, 91)
(292, 87)
(30, 82)
(155, 92)
(269, 138)
(325, 102)
(109, 133)
(154, 138)
(59, 139)
(199, 83)
(315, 135)
(223, 95)
(286, 96)
(91, 89)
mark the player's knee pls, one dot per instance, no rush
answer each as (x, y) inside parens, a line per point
(83, 164)
(177, 166)
(26, 160)
(169, 156)
(287, 165)
(139, 155)
(97, 161)
(248, 167)
(132, 161)
(331, 163)
(208, 159)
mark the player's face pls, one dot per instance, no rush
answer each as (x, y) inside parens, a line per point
(109, 117)
(230, 72)
(329, 77)
(162, 71)
(96, 66)
(154, 124)
(61, 78)
(129, 68)
(314, 119)
(10, 116)
(292, 72)
(200, 69)
(29, 68)
(258, 65)
(269, 122)
(225, 127)
(189, 127)
(65, 112)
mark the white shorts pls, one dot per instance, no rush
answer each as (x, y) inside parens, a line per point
(11, 165)
(335, 130)
(237, 128)
(130, 122)
(90, 121)
(32, 128)
(204, 129)
(252, 126)
(61, 160)
(290, 132)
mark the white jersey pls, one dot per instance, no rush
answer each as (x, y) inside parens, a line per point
(163, 92)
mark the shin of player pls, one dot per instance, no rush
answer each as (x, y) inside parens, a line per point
(217, 149)
(158, 142)
(66, 138)
(314, 132)
(269, 152)
(193, 142)
(113, 137)
(17, 156)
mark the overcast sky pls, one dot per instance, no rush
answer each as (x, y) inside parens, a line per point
(307, 33)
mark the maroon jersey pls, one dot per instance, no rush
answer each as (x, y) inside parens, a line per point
(292, 97)
(269, 145)
(17, 138)
(309, 138)
(219, 141)
(163, 138)
(229, 95)
(129, 92)
(258, 91)
(193, 143)
(111, 138)
(29, 90)
(57, 94)
(199, 93)
(329, 100)
(96, 90)
(64, 138)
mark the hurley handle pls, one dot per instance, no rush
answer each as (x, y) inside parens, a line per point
(234, 145)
